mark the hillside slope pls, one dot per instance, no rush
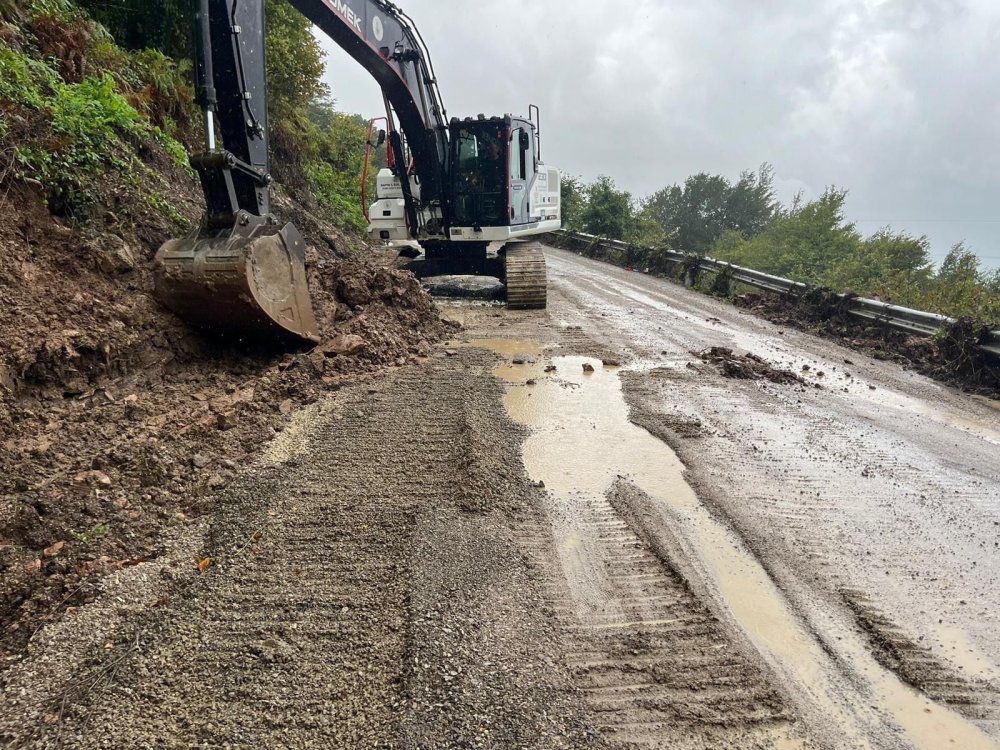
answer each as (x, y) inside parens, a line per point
(116, 420)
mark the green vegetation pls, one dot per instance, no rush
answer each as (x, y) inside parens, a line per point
(85, 537)
(92, 91)
(812, 241)
(68, 120)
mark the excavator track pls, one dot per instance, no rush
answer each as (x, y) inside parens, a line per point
(524, 270)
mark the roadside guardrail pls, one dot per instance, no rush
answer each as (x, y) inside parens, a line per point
(894, 316)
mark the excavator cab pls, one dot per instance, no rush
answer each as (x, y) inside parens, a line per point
(479, 173)
(455, 187)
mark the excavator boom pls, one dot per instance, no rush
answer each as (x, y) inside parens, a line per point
(242, 271)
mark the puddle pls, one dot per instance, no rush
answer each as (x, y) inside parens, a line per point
(509, 348)
(959, 650)
(582, 442)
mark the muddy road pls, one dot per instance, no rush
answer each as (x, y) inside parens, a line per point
(566, 529)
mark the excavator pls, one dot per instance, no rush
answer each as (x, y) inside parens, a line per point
(455, 187)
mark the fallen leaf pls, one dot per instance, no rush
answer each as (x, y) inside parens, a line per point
(33, 566)
(204, 563)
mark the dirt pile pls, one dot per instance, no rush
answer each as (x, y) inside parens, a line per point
(747, 366)
(116, 420)
(950, 357)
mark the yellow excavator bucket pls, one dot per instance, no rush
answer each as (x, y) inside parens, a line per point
(247, 281)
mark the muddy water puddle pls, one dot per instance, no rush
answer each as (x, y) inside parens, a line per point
(582, 442)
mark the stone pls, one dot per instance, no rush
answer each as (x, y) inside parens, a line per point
(344, 344)
(115, 255)
(465, 287)
(54, 549)
(93, 477)
(353, 291)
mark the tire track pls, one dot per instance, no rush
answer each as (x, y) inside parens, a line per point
(364, 593)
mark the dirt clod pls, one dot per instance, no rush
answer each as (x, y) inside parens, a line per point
(746, 366)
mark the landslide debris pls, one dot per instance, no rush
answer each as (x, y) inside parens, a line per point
(747, 366)
(117, 420)
(950, 357)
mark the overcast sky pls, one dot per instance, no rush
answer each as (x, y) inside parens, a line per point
(896, 100)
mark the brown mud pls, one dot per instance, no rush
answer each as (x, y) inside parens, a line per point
(118, 422)
(746, 366)
(950, 358)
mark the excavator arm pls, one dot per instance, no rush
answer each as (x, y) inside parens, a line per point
(241, 272)
(232, 91)
(387, 44)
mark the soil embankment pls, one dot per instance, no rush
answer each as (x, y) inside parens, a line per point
(119, 422)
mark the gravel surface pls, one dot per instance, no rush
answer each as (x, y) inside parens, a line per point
(568, 529)
(872, 500)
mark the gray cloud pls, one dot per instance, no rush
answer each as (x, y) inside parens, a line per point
(893, 99)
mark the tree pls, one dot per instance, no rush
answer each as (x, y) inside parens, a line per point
(294, 61)
(572, 195)
(165, 25)
(698, 212)
(802, 243)
(608, 211)
(750, 204)
(887, 264)
(961, 288)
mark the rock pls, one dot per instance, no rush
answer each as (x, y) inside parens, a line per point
(317, 359)
(608, 362)
(286, 406)
(465, 287)
(226, 421)
(532, 381)
(115, 255)
(343, 344)
(6, 378)
(587, 367)
(451, 352)
(93, 477)
(353, 291)
(54, 549)
(199, 461)
(33, 566)
(550, 368)
(216, 481)
(400, 361)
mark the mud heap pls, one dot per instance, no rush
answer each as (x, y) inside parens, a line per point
(117, 421)
(747, 366)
